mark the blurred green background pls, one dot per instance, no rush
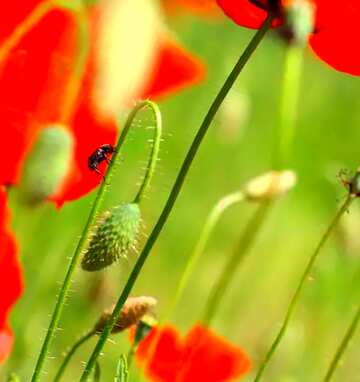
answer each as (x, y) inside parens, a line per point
(239, 146)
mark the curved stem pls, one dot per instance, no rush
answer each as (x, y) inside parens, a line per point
(24, 28)
(83, 239)
(154, 154)
(214, 216)
(175, 192)
(71, 352)
(246, 242)
(73, 87)
(300, 286)
(343, 345)
(288, 104)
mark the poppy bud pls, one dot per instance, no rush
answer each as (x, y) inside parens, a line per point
(114, 235)
(131, 313)
(270, 185)
(47, 164)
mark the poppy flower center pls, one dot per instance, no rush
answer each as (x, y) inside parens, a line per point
(268, 5)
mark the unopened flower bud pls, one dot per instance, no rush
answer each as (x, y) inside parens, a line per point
(270, 185)
(131, 313)
(114, 235)
(47, 164)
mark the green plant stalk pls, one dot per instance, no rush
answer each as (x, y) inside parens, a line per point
(175, 191)
(246, 242)
(343, 345)
(97, 372)
(122, 370)
(84, 236)
(71, 352)
(288, 104)
(154, 155)
(214, 216)
(300, 286)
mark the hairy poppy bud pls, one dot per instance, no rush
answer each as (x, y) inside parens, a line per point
(114, 235)
(270, 185)
(131, 313)
(47, 163)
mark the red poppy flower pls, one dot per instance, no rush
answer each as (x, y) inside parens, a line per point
(200, 356)
(335, 30)
(10, 276)
(38, 87)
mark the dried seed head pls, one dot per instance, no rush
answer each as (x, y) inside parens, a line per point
(47, 163)
(114, 235)
(270, 185)
(131, 313)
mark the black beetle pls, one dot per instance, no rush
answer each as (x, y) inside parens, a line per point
(100, 154)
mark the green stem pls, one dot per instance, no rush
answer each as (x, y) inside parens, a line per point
(214, 216)
(154, 154)
(97, 372)
(246, 242)
(175, 191)
(344, 344)
(83, 239)
(300, 286)
(71, 352)
(288, 104)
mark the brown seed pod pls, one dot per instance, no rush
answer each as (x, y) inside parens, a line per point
(131, 313)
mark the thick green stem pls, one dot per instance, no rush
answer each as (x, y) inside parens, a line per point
(343, 345)
(213, 218)
(246, 242)
(175, 192)
(288, 105)
(71, 352)
(300, 286)
(83, 239)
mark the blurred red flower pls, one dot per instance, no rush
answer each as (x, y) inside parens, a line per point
(10, 276)
(335, 30)
(200, 356)
(201, 7)
(41, 84)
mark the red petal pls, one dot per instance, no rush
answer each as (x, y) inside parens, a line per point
(212, 358)
(90, 131)
(201, 356)
(167, 357)
(337, 35)
(10, 273)
(175, 69)
(32, 83)
(243, 12)
(6, 342)
(12, 13)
